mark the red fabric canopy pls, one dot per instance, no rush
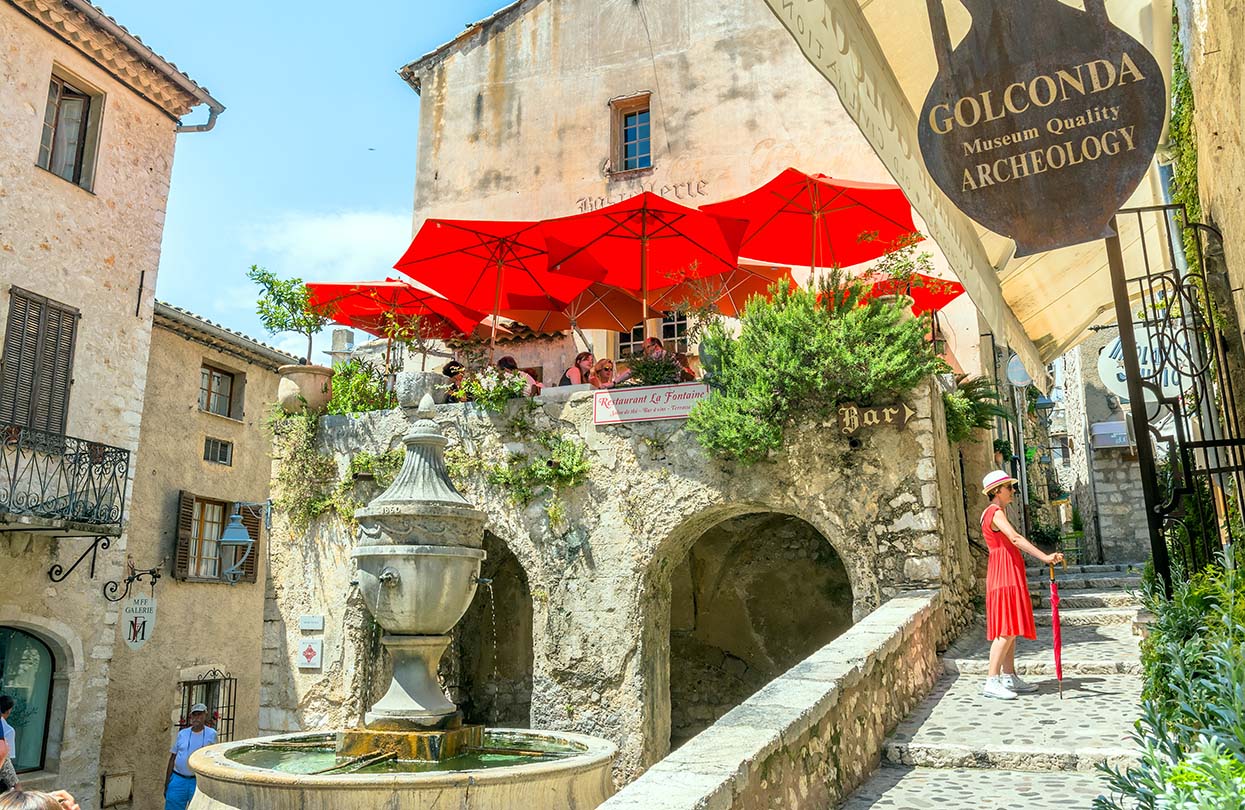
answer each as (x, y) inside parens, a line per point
(378, 306)
(642, 243)
(928, 294)
(488, 266)
(818, 221)
(728, 292)
(598, 307)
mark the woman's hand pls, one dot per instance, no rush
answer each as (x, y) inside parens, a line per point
(1054, 559)
(65, 799)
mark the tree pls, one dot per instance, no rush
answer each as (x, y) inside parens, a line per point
(283, 305)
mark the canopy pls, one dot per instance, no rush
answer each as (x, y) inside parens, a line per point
(598, 307)
(728, 292)
(380, 307)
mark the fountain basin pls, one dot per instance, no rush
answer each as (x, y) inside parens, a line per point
(579, 778)
(418, 590)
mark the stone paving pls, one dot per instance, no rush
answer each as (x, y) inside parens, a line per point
(959, 749)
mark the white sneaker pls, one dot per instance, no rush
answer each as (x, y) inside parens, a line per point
(995, 688)
(1014, 683)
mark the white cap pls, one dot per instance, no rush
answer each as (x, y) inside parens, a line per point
(198, 707)
(995, 479)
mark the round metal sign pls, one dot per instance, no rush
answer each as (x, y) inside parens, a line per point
(1017, 374)
(1150, 358)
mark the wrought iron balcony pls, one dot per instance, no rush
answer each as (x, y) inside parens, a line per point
(52, 482)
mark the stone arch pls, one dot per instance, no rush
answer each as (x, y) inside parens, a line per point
(721, 623)
(493, 645)
(68, 661)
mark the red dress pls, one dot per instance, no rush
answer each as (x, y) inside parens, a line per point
(1008, 609)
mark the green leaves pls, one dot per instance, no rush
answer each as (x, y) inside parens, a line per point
(358, 387)
(283, 305)
(798, 355)
(974, 404)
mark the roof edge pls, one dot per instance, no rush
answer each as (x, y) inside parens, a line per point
(237, 340)
(409, 72)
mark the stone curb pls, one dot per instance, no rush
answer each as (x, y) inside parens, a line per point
(973, 666)
(929, 755)
(1086, 616)
(1089, 599)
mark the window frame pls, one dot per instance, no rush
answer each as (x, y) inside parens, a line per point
(194, 571)
(220, 444)
(87, 147)
(50, 697)
(206, 407)
(678, 322)
(620, 109)
(223, 688)
(629, 340)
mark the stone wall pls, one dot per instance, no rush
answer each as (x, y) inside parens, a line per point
(601, 581)
(814, 734)
(1125, 532)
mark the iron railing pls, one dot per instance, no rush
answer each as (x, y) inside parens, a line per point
(58, 477)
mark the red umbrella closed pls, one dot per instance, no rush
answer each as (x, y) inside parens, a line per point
(1056, 631)
(642, 243)
(488, 266)
(378, 306)
(818, 221)
(728, 292)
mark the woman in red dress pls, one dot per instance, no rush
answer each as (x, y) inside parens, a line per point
(1009, 613)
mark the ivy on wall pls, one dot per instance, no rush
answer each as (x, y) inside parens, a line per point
(1183, 144)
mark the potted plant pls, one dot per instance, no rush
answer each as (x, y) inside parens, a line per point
(283, 307)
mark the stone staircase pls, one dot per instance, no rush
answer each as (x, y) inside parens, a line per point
(959, 749)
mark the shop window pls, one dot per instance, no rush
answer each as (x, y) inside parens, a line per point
(218, 691)
(37, 368)
(218, 451)
(70, 134)
(26, 670)
(631, 133)
(200, 522)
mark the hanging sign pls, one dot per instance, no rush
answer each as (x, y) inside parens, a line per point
(1158, 366)
(309, 653)
(1042, 120)
(646, 404)
(138, 620)
(854, 417)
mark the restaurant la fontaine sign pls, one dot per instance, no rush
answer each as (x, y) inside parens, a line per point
(1042, 120)
(646, 404)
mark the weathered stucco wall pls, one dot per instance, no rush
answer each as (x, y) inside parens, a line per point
(601, 583)
(88, 250)
(199, 625)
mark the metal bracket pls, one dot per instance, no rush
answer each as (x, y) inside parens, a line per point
(152, 574)
(58, 572)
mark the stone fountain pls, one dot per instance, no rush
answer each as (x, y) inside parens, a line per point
(418, 556)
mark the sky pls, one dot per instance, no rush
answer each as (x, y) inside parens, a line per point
(310, 171)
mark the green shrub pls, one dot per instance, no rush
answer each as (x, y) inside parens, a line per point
(652, 370)
(491, 388)
(283, 305)
(1005, 447)
(359, 387)
(973, 405)
(800, 353)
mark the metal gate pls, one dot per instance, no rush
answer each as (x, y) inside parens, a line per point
(1180, 388)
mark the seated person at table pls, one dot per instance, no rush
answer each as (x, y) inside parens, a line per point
(579, 371)
(602, 375)
(458, 375)
(532, 387)
(686, 373)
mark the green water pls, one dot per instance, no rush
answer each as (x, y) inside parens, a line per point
(310, 760)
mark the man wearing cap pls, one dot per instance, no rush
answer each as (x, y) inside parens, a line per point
(179, 781)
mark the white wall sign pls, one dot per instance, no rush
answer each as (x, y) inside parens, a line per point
(646, 404)
(138, 620)
(308, 655)
(1111, 367)
(311, 623)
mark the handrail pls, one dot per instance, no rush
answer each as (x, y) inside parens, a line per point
(58, 477)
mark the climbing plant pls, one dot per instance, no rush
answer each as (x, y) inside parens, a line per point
(973, 404)
(359, 387)
(1182, 142)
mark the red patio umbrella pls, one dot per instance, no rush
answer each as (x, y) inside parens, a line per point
(371, 306)
(1056, 631)
(642, 243)
(728, 292)
(929, 294)
(488, 266)
(598, 307)
(818, 221)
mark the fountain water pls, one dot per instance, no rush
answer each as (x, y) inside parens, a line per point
(418, 557)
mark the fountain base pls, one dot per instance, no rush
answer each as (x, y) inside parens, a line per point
(424, 746)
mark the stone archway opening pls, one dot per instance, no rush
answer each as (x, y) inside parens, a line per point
(491, 658)
(754, 596)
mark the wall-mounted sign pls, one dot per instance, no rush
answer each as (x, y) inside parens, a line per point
(309, 623)
(646, 404)
(854, 417)
(138, 620)
(308, 655)
(1157, 366)
(1042, 121)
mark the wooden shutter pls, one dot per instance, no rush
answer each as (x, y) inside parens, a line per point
(251, 520)
(185, 524)
(38, 362)
(51, 402)
(21, 350)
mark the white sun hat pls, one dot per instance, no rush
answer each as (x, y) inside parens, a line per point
(994, 479)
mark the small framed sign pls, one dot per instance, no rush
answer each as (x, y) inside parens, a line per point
(308, 656)
(309, 623)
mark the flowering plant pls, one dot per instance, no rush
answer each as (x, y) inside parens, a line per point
(492, 388)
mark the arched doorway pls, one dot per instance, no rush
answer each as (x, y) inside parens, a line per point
(755, 595)
(26, 670)
(493, 644)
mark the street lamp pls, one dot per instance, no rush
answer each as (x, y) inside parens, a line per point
(236, 537)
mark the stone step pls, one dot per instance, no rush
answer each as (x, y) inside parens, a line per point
(956, 726)
(1034, 568)
(1087, 650)
(1087, 598)
(899, 788)
(1117, 581)
(1069, 617)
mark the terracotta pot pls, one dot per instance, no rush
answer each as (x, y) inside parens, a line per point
(904, 302)
(304, 388)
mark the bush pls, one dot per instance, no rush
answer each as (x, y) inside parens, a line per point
(652, 370)
(359, 387)
(973, 405)
(491, 388)
(799, 354)
(1192, 727)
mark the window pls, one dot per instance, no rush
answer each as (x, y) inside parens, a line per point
(1061, 449)
(26, 670)
(38, 362)
(216, 391)
(674, 331)
(218, 451)
(217, 690)
(631, 140)
(200, 523)
(632, 342)
(70, 124)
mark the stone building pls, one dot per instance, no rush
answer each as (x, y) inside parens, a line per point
(203, 455)
(88, 120)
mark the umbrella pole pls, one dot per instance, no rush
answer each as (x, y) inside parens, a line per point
(644, 270)
(492, 345)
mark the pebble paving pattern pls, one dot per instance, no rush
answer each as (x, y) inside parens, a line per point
(975, 789)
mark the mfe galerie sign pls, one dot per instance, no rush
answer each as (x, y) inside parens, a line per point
(854, 417)
(1042, 121)
(138, 620)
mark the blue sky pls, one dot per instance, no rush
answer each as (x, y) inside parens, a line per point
(310, 171)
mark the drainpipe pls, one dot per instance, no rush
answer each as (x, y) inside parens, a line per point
(183, 82)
